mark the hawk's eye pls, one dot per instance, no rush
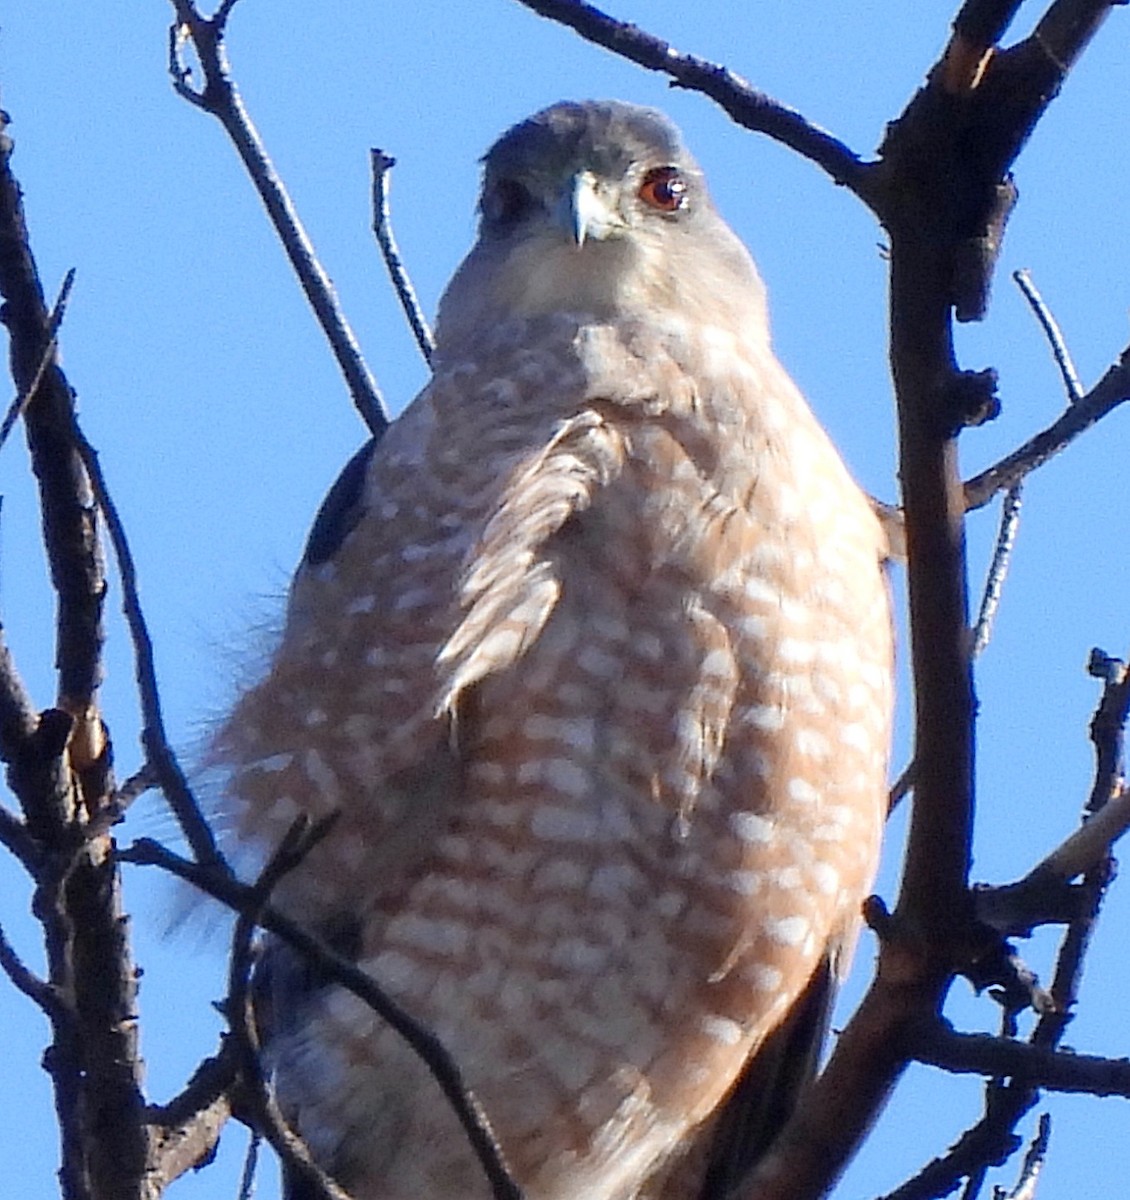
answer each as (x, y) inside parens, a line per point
(505, 201)
(664, 188)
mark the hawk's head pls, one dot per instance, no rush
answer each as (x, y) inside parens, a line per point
(598, 208)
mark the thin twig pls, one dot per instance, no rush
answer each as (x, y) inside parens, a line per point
(219, 96)
(745, 104)
(992, 1138)
(1010, 509)
(160, 756)
(266, 1114)
(443, 1068)
(902, 786)
(1111, 391)
(382, 164)
(998, 568)
(143, 780)
(1108, 805)
(15, 837)
(1053, 333)
(1033, 1164)
(25, 980)
(250, 1166)
(20, 403)
(982, 1143)
(1033, 1066)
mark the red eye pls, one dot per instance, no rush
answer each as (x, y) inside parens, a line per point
(664, 188)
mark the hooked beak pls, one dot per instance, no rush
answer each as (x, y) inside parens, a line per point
(582, 212)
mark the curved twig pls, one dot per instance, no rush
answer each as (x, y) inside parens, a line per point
(38, 990)
(381, 165)
(184, 1132)
(1053, 333)
(266, 1116)
(159, 753)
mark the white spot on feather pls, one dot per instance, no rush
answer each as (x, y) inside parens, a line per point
(752, 828)
(557, 824)
(788, 931)
(722, 1029)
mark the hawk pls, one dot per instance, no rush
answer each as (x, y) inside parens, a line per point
(591, 654)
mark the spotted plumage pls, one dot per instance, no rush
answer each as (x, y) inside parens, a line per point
(592, 656)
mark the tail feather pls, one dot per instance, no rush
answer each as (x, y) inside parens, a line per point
(766, 1092)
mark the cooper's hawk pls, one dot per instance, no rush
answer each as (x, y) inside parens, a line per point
(592, 655)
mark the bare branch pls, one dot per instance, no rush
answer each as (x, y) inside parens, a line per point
(1066, 29)
(1111, 391)
(998, 568)
(69, 534)
(745, 104)
(1010, 509)
(1034, 1066)
(382, 164)
(250, 1167)
(1033, 1164)
(266, 1117)
(902, 787)
(1019, 906)
(984, 1143)
(18, 716)
(185, 1132)
(159, 752)
(220, 97)
(992, 1138)
(143, 780)
(977, 29)
(15, 837)
(25, 980)
(1053, 333)
(20, 403)
(1089, 844)
(982, 23)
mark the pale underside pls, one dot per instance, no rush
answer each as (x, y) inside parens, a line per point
(600, 684)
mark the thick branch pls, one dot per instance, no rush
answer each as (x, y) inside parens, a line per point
(933, 894)
(69, 533)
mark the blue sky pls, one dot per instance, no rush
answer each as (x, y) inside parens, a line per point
(220, 417)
